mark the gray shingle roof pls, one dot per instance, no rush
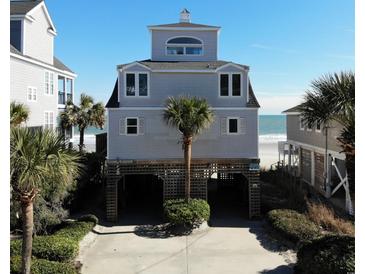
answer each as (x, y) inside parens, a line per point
(183, 65)
(183, 25)
(252, 101)
(113, 100)
(293, 109)
(56, 62)
(22, 7)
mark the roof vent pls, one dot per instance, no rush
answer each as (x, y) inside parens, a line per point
(184, 16)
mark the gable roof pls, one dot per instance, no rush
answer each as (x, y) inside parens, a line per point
(252, 100)
(293, 109)
(182, 65)
(56, 62)
(22, 7)
(113, 100)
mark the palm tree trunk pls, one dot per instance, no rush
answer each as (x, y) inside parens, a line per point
(187, 157)
(81, 143)
(27, 217)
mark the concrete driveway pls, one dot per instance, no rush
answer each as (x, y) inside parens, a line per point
(230, 245)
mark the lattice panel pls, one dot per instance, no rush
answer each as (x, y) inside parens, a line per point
(173, 174)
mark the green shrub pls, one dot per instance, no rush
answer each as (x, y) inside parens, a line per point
(293, 225)
(75, 230)
(89, 218)
(54, 248)
(190, 214)
(328, 255)
(41, 266)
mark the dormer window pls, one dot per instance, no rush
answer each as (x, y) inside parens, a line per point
(184, 46)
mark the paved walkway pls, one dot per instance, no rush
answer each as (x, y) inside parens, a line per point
(230, 245)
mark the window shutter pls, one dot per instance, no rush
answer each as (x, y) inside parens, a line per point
(242, 126)
(223, 126)
(141, 126)
(122, 126)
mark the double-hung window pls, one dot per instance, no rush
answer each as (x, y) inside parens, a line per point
(301, 123)
(230, 84)
(136, 84)
(132, 126)
(32, 94)
(232, 126)
(48, 120)
(48, 83)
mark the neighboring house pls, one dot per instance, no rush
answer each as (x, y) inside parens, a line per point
(37, 78)
(184, 61)
(304, 155)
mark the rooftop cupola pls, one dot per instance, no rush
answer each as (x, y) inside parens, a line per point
(184, 16)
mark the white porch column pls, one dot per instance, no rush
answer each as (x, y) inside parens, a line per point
(328, 175)
(313, 166)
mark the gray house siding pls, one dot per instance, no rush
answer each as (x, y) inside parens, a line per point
(160, 37)
(294, 133)
(163, 85)
(38, 41)
(23, 75)
(160, 141)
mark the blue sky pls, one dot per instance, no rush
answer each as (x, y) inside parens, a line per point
(286, 43)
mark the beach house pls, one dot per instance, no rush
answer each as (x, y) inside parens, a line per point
(184, 61)
(314, 154)
(38, 79)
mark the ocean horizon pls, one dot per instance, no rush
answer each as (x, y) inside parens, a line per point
(272, 128)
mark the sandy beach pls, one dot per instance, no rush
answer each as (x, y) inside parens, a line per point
(268, 153)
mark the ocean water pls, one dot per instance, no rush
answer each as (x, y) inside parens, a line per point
(272, 128)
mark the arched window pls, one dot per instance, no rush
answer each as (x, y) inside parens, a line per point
(184, 46)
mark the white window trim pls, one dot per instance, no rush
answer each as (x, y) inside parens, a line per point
(310, 129)
(136, 83)
(126, 126)
(49, 83)
(318, 130)
(230, 83)
(300, 123)
(33, 91)
(53, 120)
(238, 126)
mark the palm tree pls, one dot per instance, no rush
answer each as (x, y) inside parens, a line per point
(85, 115)
(190, 115)
(332, 99)
(38, 159)
(19, 113)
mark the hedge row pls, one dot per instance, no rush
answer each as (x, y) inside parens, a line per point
(62, 246)
(293, 225)
(327, 255)
(41, 266)
(190, 214)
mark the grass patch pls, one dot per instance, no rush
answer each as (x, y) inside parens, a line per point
(325, 217)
